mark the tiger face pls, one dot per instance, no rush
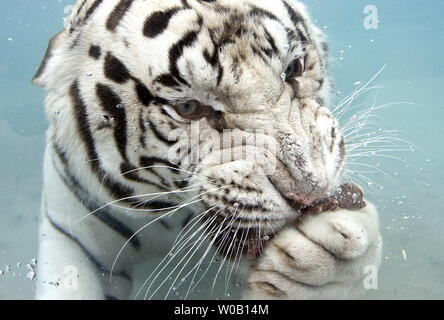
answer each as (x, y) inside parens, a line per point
(131, 86)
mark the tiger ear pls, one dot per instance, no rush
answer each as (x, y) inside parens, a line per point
(54, 43)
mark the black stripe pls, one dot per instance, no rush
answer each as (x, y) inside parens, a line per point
(115, 70)
(95, 52)
(90, 256)
(91, 205)
(142, 125)
(112, 104)
(81, 6)
(176, 52)
(152, 161)
(116, 189)
(128, 172)
(271, 41)
(220, 74)
(118, 13)
(82, 125)
(157, 22)
(256, 11)
(167, 80)
(214, 61)
(159, 135)
(75, 23)
(296, 18)
(91, 10)
(144, 95)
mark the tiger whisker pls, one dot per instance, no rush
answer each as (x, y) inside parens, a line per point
(164, 167)
(144, 227)
(221, 245)
(205, 226)
(185, 204)
(239, 245)
(182, 190)
(237, 259)
(361, 89)
(216, 251)
(170, 255)
(193, 250)
(144, 202)
(221, 225)
(195, 268)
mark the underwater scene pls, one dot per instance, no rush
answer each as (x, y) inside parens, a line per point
(388, 78)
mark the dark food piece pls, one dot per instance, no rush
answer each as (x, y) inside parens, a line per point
(348, 196)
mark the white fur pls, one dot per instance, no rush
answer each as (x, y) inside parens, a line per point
(329, 251)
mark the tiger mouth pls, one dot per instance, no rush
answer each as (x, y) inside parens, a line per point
(249, 237)
(243, 236)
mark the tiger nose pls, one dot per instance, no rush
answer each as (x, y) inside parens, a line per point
(305, 199)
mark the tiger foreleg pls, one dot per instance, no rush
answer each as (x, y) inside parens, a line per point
(332, 255)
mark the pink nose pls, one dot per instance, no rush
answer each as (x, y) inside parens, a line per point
(305, 199)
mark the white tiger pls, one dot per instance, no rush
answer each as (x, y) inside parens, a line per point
(125, 74)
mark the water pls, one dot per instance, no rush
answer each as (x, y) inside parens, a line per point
(407, 186)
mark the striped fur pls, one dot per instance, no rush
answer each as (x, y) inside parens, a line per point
(116, 77)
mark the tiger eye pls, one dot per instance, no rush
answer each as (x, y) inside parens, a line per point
(190, 109)
(295, 69)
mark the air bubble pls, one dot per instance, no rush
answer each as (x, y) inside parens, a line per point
(30, 275)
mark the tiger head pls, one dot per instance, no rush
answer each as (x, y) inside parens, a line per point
(173, 97)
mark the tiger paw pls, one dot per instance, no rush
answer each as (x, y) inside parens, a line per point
(323, 256)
